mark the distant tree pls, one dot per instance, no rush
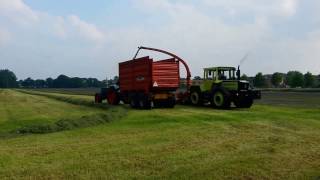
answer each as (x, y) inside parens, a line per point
(8, 79)
(276, 79)
(28, 83)
(295, 79)
(76, 82)
(62, 81)
(39, 83)
(49, 82)
(259, 80)
(93, 82)
(244, 77)
(309, 80)
(197, 78)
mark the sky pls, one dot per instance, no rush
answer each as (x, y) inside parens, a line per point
(45, 38)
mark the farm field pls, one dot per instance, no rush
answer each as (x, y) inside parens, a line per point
(273, 140)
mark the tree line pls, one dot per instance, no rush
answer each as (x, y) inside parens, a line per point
(292, 79)
(9, 80)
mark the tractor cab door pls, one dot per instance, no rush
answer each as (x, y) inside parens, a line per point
(210, 77)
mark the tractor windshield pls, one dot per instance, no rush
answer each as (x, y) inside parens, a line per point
(226, 75)
(220, 74)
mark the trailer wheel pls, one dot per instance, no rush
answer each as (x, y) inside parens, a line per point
(113, 96)
(97, 98)
(220, 99)
(133, 99)
(195, 98)
(171, 102)
(145, 103)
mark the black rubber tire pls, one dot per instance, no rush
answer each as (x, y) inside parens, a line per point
(134, 103)
(195, 98)
(144, 102)
(171, 102)
(220, 99)
(244, 102)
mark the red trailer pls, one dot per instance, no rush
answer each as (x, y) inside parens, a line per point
(144, 83)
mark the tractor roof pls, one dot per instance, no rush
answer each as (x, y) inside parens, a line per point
(220, 68)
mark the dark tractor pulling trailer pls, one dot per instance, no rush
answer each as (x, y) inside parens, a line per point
(144, 83)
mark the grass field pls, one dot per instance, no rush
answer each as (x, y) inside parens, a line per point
(270, 141)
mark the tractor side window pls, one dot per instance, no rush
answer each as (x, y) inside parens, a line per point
(210, 75)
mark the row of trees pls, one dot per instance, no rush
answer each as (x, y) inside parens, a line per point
(61, 81)
(291, 79)
(9, 80)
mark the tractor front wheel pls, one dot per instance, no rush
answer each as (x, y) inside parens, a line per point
(220, 99)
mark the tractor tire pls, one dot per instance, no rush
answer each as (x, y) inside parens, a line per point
(97, 98)
(113, 97)
(244, 102)
(220, 99)
(195, 98)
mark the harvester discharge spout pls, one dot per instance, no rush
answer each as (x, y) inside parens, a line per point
(177, 58)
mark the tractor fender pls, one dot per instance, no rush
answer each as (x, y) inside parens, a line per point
(219, 87)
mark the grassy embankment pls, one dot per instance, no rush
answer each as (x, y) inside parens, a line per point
(265, 142)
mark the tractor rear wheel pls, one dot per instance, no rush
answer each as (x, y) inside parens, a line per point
(244, 102)
(220, 99)
(113, 96)
(196, 98)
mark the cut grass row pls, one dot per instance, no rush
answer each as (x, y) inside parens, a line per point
(26, 112)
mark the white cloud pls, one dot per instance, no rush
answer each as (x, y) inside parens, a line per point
(85, 29)
(284, 8)
(5, 36)
(18, 11)
(59, 27)
(289, 7)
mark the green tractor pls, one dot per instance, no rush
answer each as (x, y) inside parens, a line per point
(222, 86)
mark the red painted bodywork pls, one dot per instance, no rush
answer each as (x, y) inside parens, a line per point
(145, 75)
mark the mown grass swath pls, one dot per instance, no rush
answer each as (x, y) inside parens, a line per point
(73, 113)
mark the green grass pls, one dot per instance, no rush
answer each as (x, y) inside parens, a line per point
(265, 142)
(27, 113)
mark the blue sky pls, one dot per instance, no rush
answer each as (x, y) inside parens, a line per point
(45, 38)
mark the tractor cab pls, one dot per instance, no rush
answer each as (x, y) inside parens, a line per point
(220, 73)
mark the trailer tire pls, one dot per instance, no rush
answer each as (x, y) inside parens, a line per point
(144, 102)
(171, 102)
(195, 98)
